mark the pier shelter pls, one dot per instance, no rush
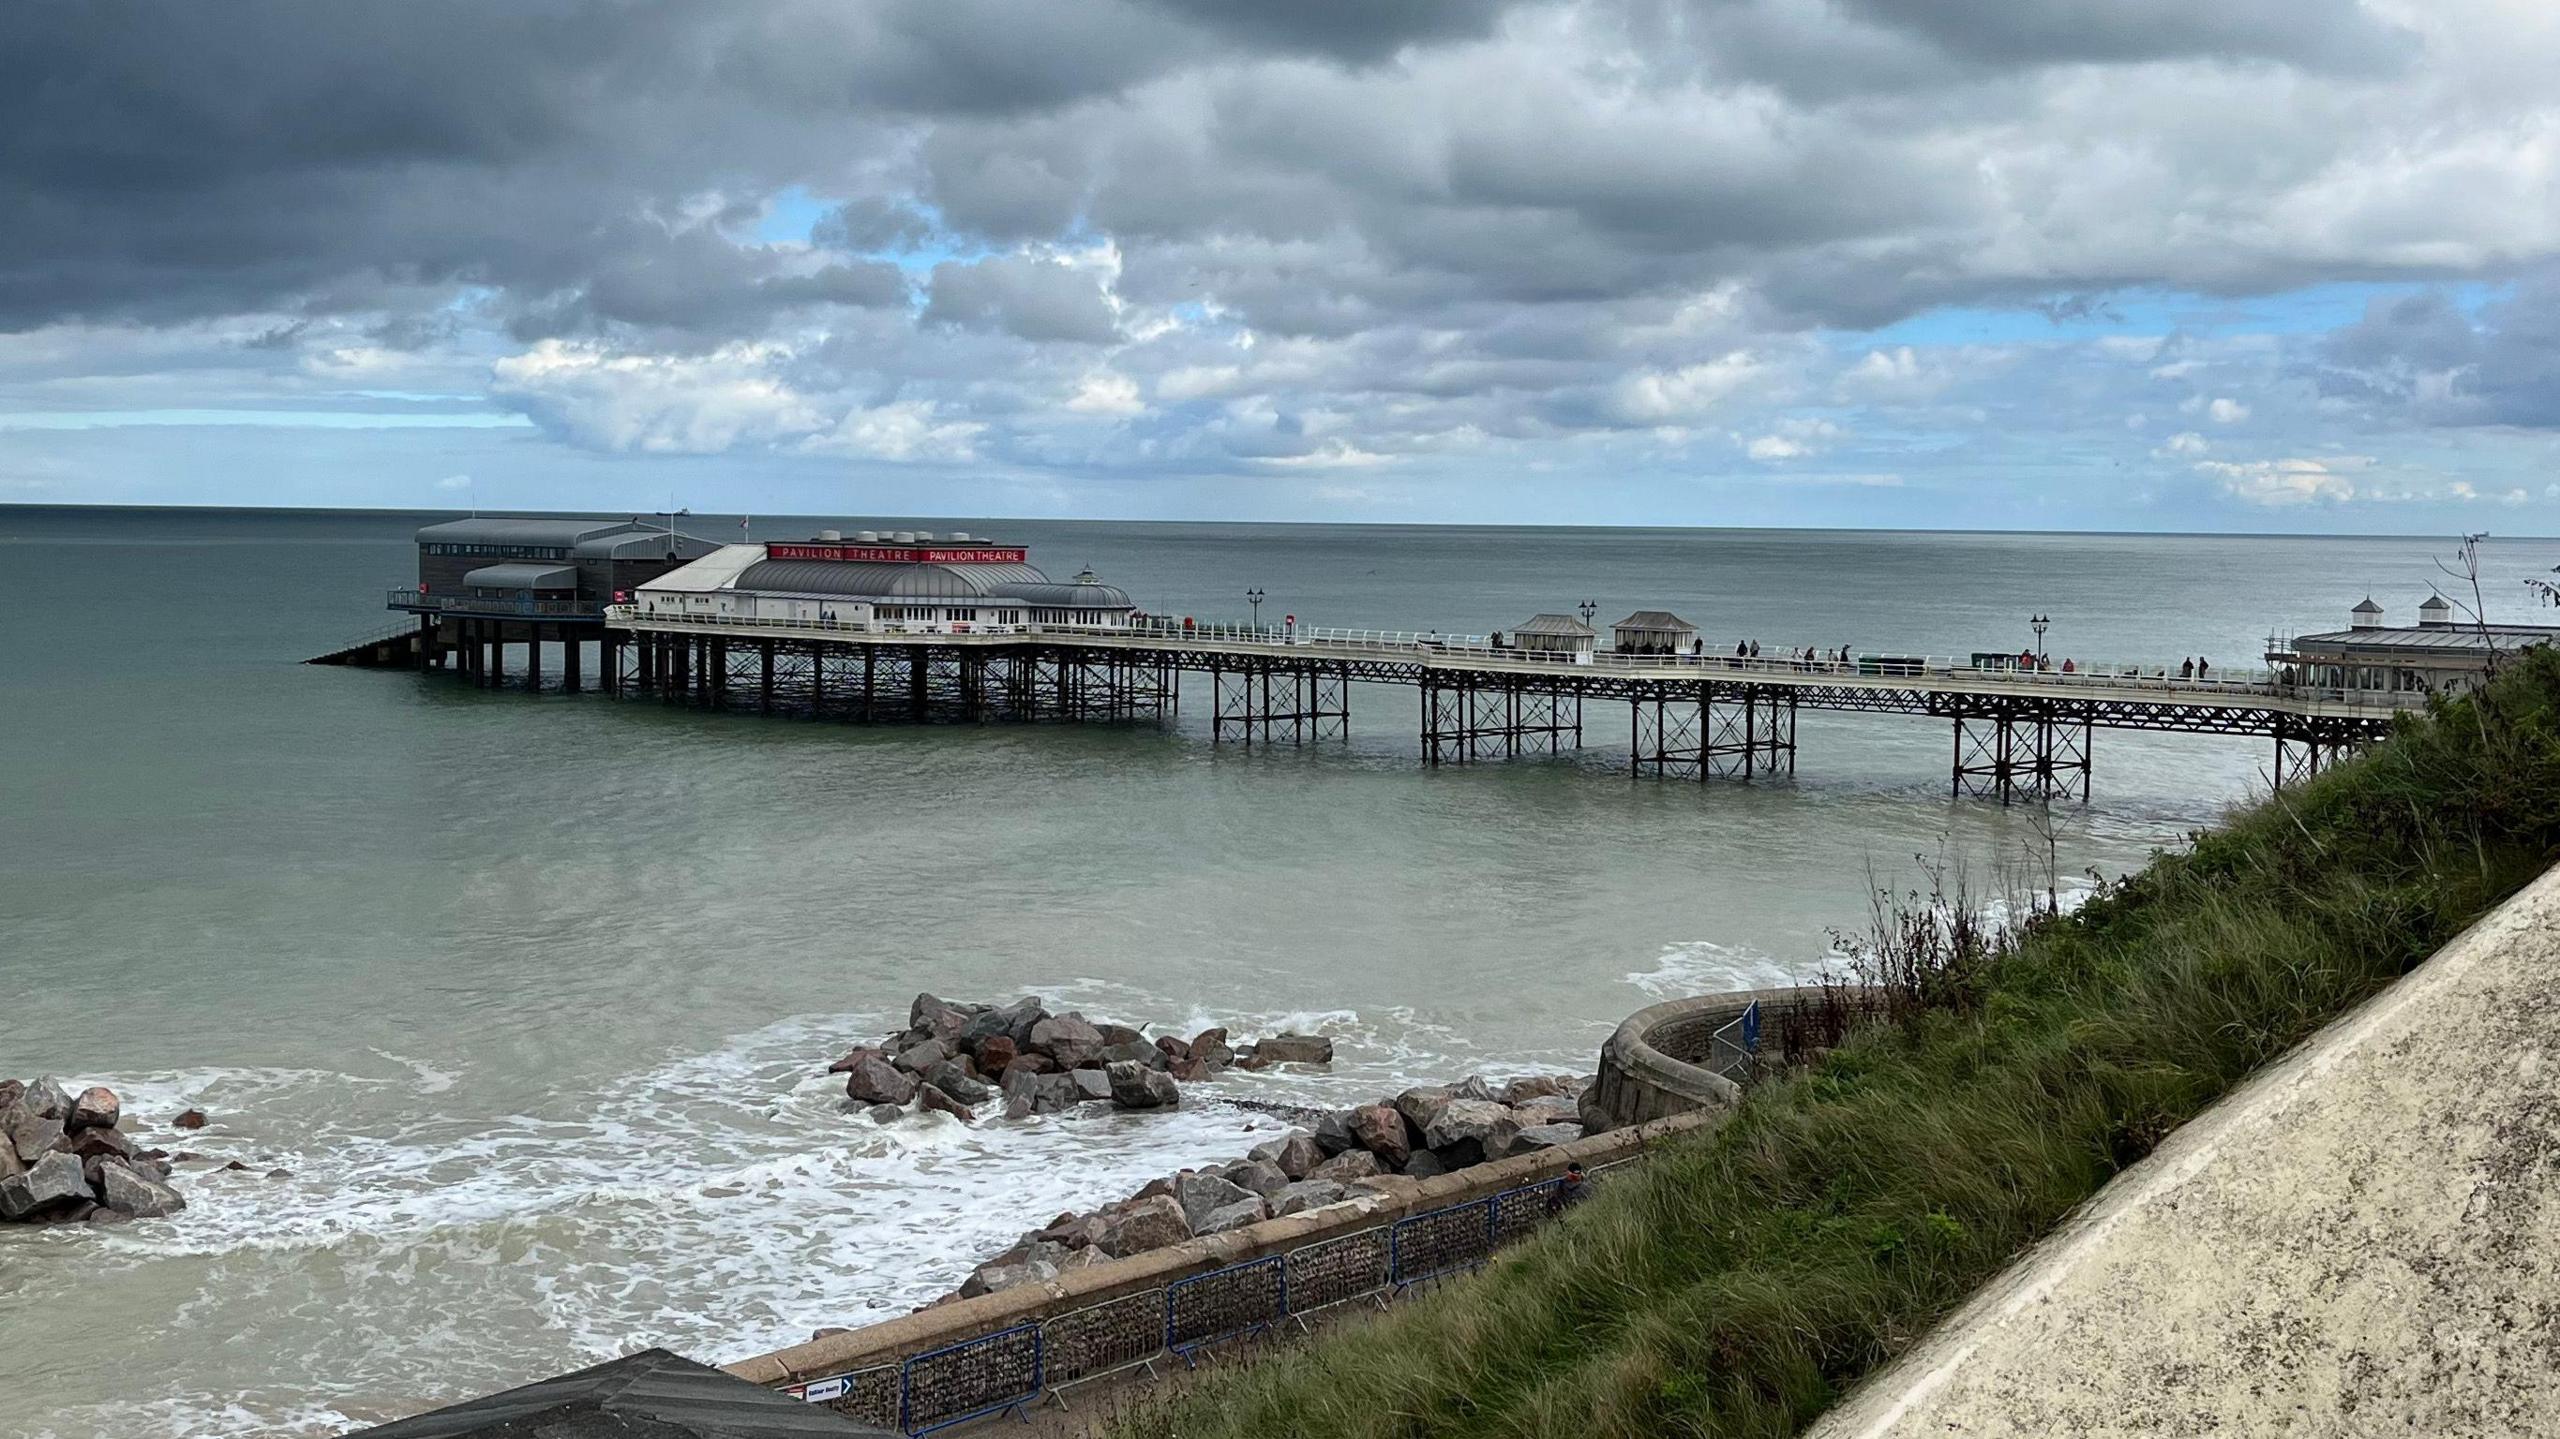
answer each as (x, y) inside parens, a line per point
(2436, 656)
(1654, 632)
(1561, 635)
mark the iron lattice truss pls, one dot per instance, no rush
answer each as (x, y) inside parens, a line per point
(1473, 719)
(1683, 727)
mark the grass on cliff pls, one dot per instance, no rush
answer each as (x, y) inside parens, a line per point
(1743, 1280)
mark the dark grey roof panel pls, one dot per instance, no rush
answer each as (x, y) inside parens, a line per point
(2449, 638)
(1554, 625)
(666, 1394)
(872, 580)
(642, 544)
(499, 530)
(1066, 597)
(523, 575)
(1654, 620)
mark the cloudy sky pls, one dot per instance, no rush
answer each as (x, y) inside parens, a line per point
(2145, 264)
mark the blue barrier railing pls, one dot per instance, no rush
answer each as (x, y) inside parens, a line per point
(1224, 1304)
(960, 1382)
(1011, 1368)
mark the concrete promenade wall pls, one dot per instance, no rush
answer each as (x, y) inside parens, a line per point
(2364, 1239)
(1113, 1314)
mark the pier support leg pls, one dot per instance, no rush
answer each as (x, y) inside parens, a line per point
(533, 655)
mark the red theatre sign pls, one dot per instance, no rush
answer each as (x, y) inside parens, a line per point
(904, 554)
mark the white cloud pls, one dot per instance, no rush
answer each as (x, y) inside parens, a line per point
(1688, 392)
(656, 404)
(1793, 439)
(454, 482)
(1106, 392)
(2225, 411)
(908, 430)
(2286, 483)
(2184, 444)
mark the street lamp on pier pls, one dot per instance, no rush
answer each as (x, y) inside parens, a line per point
(1588, 608)
(1254, 597)
(2039, 623)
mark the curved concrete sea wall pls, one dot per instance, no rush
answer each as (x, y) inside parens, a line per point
(988, 1354)
(1665, 1059)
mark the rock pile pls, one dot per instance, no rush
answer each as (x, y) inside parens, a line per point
(957, 1057)
(63, 1159)
(1432, 1129)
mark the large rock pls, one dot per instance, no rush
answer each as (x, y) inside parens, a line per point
(1422, 1104)
(10, 1091)
(875, 1080)
(1424, 1165)
(921, 1058)
(31, 1134)
(1249, 1210)
(852, 1060)
(1349, 1167)
(1548, 1109)
(1028, 1064)
(1172, 1048)
(1134, 1051)
(1543, 1136)
(1299, 1155)
(1135, 1086)
(996, 1053)
(1475, 1129)
(1068, 1039)
(928, 1097)
(47, 1098)
(54, 1179)
(1587, 1109)
(1260, 1176)
(1028, 1092)
(1307, 1194)
(1013, 1021)
(127, 1192)
(1294, 1049)
(98, 1140)
(1144, 1224)
(1333, 1134)
(954, 1079)
(1382, 1132)
(11, 1166)
(96, 1108)
(1091, 1084)
(1210, 1047)
(1120, 1034)
(1471, 1087)
(995, 1277)
(942, 1020)
(1199, 1194)
(1534, 1086)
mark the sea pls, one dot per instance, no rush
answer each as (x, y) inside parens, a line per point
(514, 1007)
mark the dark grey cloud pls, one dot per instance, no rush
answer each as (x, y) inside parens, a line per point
(1033, 299)
(2422, 357)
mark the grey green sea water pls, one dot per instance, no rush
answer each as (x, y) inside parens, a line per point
(527, 995)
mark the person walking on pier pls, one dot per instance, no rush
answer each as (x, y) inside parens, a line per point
(2202, 669)
(2186, 669)
(1755, 649)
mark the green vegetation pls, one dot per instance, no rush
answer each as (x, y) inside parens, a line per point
(1741, 1281)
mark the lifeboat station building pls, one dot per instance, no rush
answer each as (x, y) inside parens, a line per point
(899, 582)
(2440, 655)
(485, 584)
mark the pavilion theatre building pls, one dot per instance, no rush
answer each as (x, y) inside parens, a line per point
(900, 581)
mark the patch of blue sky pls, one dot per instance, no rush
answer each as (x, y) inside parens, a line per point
(273, 419)
(2087, 316)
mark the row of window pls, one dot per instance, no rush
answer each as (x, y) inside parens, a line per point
(510, 552)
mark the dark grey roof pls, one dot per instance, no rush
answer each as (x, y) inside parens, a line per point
(874, 580)
(1654, 620)
(2367, 608)
(2434, 602)
(501, 530)
(649, 1395)
(1067, 597)
(646, 543)
(2441, 639)
(1554, 625)
(523, 575)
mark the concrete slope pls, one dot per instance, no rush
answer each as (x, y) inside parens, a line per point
(2365, 1239)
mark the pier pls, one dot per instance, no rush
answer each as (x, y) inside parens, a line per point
(905, 627)
(2014, 733)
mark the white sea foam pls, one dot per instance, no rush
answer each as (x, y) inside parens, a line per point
(722, 1202)
(1703, 966)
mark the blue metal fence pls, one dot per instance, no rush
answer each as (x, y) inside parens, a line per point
(1010, 1369)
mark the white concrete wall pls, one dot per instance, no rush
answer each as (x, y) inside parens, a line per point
(2364, 1240)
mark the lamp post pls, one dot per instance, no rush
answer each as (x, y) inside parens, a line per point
(1588, 608)
(1254, 597)
(2039, 623)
